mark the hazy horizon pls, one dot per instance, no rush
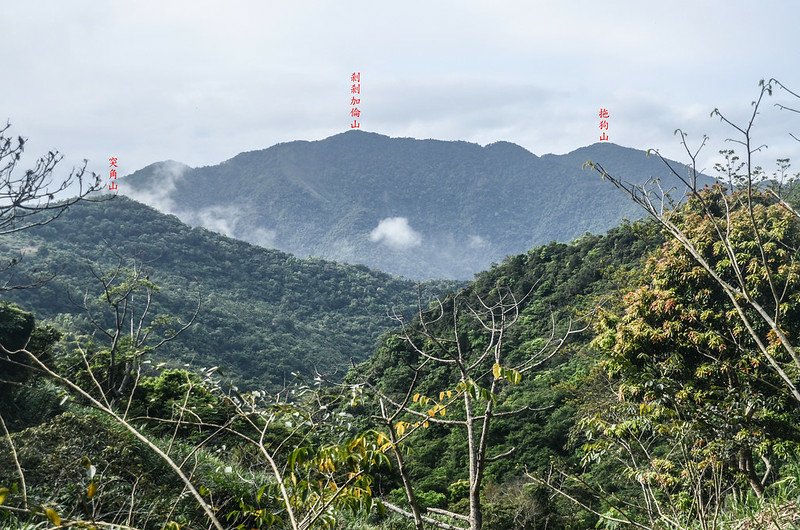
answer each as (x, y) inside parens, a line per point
(199, 82)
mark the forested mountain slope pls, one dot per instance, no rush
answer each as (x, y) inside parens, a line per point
(419, 208)
(565, 284)
(263, 315)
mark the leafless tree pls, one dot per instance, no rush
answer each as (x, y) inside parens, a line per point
(481, 371)
(35, 196)
(313, 480)
(118, 291)
(127, 295)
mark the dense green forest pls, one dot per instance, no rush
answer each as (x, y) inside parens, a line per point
(263, 313)
(559, 284)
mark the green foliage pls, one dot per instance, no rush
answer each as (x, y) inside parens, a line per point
(178, 395)
(562, 282)
(517, 506)
(431, 499)
(264, 314)
(16, 328)
(24, 401)
(698, 407)
(84, 466)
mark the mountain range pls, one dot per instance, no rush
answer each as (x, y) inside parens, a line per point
(416, 208)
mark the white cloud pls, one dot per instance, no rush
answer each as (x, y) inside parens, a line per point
(476, 241)
(264, 237)
(220, 219)
(396, 233)
(231, 221)
(159, 195)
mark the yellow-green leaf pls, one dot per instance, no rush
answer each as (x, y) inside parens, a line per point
(53, 516)
(496, 370)
(400, 428)
(382, 439)
(3, 494)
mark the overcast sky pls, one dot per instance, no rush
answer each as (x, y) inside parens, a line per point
(199, 82)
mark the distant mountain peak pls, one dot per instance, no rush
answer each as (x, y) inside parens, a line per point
(508, 147)
(605, 147)
(167, 164)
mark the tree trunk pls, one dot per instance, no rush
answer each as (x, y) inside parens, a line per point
(475, 515)
(401, 468)
(747, 467)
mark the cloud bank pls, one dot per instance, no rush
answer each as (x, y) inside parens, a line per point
(157, 193)
(396, 233)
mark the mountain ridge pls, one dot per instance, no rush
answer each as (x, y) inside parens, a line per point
(415, 208)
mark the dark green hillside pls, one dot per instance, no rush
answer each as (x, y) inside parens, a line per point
(465, 206)
(264, 314)
(568, 280)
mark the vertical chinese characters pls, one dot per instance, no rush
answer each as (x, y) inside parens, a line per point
(355, 100)
(112, 173)
(604, 116)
